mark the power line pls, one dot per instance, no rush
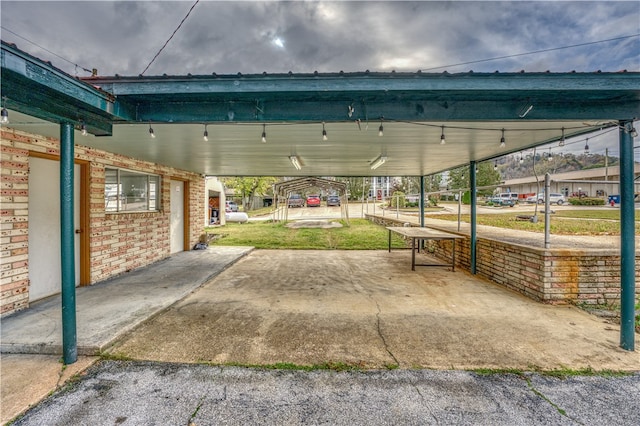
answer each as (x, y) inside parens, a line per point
(169, 39)
(46, 50)
(531, 53)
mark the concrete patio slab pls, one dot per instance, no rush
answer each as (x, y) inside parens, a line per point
(109, 309)
(367, 308)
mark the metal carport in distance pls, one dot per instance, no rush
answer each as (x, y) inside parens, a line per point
(282, 191)
(365, 115)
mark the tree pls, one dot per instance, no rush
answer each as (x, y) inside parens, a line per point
(248, 187)
(485, 176)
(355, 186)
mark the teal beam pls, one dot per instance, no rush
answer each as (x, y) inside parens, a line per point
(396, 96)
(422, 106)
(67, 245)
(473, 242)
(627, 238)
(16, 63)
(589, 86)
(37, 88)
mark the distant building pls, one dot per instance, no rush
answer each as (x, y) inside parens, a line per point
(381, 187)
(600, 182)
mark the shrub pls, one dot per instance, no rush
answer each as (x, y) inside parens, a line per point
(586, 201)
(398, 199)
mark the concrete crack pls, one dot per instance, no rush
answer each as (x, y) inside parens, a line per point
(60, 376)
(553, 404)
(384, 341)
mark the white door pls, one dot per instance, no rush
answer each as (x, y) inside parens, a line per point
(176, 231)
(45, 272)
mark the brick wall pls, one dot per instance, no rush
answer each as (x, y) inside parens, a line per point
(118, 242)
(547, 275)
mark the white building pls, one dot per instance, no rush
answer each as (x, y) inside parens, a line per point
(600, 182)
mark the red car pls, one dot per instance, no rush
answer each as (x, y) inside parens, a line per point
(313, 201)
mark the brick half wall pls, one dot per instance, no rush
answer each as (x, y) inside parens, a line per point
(558, 276)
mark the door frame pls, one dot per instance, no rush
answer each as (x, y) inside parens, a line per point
(186, 211)
(85, 176)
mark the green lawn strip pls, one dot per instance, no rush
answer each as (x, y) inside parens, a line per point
(360, 235)
(558, 373)
(333, 366)
(608, 214)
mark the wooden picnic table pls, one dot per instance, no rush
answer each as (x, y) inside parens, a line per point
(420, 234)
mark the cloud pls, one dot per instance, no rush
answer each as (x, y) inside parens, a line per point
(227, 37)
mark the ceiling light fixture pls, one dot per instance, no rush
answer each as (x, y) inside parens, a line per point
(378, 162)
(380, 129)
(442, 139)
(561, 142)
(628, 128)
(586, 146)
(151, 133)
(83, 129)
(264, 133)
(205, 135)
(324, 133)
(521, 158)
(4, 114)
(502, 141)
(295, 160)
(495, 166)
(549, 156)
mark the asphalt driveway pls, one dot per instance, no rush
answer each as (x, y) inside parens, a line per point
(142, 393)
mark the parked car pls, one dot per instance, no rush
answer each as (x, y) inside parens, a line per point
(333, 200)
(230, 206)
(500, 201)
(509, 196)
(313, 201)
(295, 200)
(553, 198)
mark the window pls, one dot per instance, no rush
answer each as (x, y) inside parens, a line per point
(126, 191)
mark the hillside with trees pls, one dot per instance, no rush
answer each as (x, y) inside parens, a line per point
(512, 167)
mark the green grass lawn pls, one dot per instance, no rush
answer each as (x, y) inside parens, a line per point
(609, 214)
(566, 222)
(360, 235)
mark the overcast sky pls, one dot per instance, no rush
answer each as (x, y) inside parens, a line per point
(227, 37)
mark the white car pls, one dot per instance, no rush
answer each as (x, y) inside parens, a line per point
(553, 198)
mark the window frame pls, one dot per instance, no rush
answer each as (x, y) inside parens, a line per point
(151, 195)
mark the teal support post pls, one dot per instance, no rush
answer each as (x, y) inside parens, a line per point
(472, 247)
(422, 201)
(67, 244)
(627, 238)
